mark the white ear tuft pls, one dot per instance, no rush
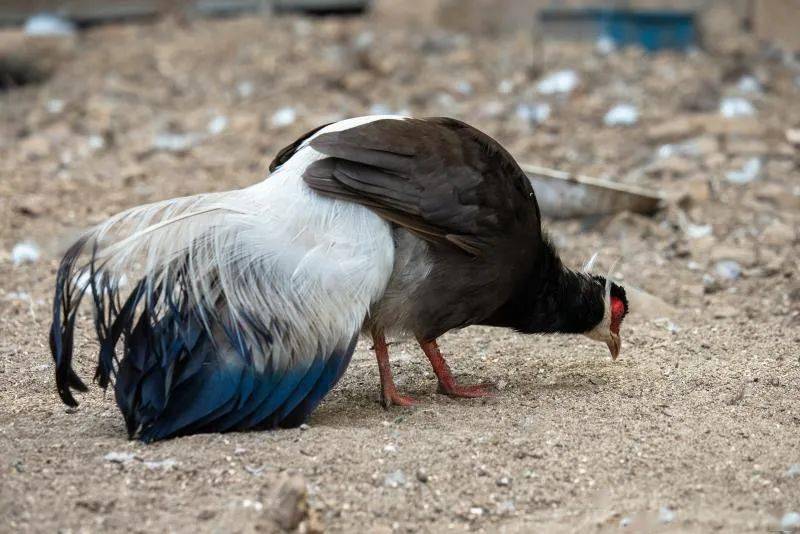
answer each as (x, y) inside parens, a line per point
(608, 277)
(590, 263)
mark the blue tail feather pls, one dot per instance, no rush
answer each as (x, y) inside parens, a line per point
(175, 377)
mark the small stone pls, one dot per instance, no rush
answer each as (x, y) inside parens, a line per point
(748, 84)
(748, 173)
(96, 142)
(793, 471)
(790, 520)
(728, 269)
(605, 45)
(624, 522)
(732, 107)
(49, 25)
(119, 457)
(25, 252)
(205, 515)
(560, 82)
(710, 285)
(621, 115)
(533, 113)
(506, 507)
(793, 136)
(161, 464)
(287, 503)
(476, 511)
(464, 87)
(238, 451)
(666, 515)
(30, 206)
(304, 427)
(283, 117)
(245, 89)
(503, 482)
(395, 479)
(422, 475)
(217, 125)
(390, 448)
(695, 231)
(175, 142)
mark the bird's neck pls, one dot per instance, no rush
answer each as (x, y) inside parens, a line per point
(552, 299)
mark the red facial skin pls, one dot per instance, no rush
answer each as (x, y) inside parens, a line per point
(617, 313)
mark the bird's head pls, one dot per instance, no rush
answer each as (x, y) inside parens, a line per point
(616, 307)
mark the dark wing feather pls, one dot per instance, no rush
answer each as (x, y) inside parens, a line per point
(438, 177)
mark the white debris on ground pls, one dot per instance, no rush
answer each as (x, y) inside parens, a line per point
(621, 115)
(533, 113)
(48, 25)
(395, 479)
(119, 457)
(283, 117)
(175, 142)
(560, 82)
(217, 125)
(736, 106)
(749, 172)
(790, 521)
(666, 515)
(25, 252)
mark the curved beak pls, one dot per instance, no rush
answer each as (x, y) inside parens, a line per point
(614, 344)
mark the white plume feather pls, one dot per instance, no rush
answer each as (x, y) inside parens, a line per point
(589, 265)
(274, 252)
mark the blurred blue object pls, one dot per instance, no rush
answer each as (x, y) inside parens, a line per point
(652, 30)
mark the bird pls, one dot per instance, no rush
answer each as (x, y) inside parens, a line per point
(240, 310)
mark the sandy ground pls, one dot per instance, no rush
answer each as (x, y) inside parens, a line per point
(696, 428)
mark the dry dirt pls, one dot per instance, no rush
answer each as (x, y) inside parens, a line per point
(696, 428)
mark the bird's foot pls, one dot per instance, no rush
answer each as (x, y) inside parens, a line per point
(394, 398)
(467, 392)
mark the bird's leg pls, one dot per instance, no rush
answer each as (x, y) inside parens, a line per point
(389, 393)
(448, 384)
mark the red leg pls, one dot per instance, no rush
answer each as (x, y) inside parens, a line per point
(389, 393)
(448, 384)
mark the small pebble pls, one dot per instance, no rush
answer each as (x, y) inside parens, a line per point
(422, 475)
(793, 471)
(621, 115)
(283, 117)
(666, 515)
(395, 479)
(161, 464)
(477, 511)
(217, 125)
(119, 457)
(506, 507)
(728, 269)
(790, 520)
(503, 482)
(748, 173)
(735, 106)
(174, 142)
(25, 252)
(624, 522)
(563, 81)
(304, 427)
(245, 89)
